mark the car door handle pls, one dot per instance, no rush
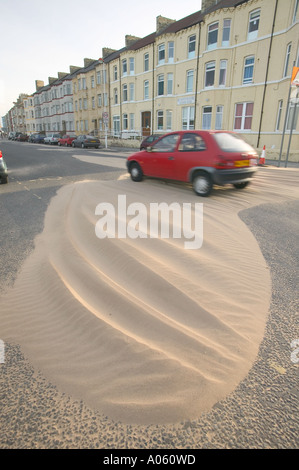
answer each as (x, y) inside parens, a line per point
(171, 158)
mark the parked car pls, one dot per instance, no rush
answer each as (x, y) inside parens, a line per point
(16, 135)
(3, 170)
(37, 138)
(11, 135)
(22, 138)
(52, 139)
(85, 141)
(149, 141)
(202, 158)
(67, 140)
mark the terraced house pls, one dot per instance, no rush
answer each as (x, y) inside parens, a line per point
(227, 66)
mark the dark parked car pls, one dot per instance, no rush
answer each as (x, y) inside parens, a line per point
(203, 158)
(22, 138)
(67, 140)
(37, 138)
(3, 170)
(149, 141)
(85, 141)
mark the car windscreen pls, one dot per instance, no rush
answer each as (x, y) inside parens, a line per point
(231, 142)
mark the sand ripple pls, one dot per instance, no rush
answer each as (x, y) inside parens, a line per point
(143, 330)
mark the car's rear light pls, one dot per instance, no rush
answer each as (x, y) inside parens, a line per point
(223, 162)
(0, 154)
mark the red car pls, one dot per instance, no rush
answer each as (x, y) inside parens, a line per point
(203, 158)
(67, 140)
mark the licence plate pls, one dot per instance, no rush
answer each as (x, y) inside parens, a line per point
(239, 163)
(93, 141)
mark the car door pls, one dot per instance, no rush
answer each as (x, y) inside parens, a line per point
(160, 161)
(192, 152)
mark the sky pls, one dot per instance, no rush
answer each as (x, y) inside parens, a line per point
(40, 38)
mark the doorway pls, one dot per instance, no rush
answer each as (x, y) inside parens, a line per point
(146, 123)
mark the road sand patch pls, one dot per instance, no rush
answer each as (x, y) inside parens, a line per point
(143, 330)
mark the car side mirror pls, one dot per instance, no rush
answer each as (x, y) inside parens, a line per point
(149, 149)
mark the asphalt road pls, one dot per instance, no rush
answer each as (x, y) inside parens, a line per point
(263, 410)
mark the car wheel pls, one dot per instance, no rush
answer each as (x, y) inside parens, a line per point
(59, 144)
(4, 179)
(66, 144)
(82, 145)
(241, 185)
(136, 172)
(73, 145)
(202, 183)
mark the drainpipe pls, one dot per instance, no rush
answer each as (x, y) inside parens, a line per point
(120, 99)
(266, 77)
(196, 80)
(153, 89)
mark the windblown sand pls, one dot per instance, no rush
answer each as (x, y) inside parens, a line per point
(141, 329)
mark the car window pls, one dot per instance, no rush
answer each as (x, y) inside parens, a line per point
(166, 144)
(231, 142)
(192, 143)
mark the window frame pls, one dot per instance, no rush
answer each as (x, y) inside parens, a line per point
(253, 33)
(247, 68)
(191, 46)
(211, 33)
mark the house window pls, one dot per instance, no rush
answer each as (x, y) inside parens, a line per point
(79, 84)
(254, 20)
(248, 70)
(287, 60)
(219, 117)
(92, 82)
(105, 99)
(93, 103)
(222, 72)
(85, 103)
(132, 65)
(207, 117)
(170, 51)
(84, 83)
(116, 125)
(213, 36)
(125, 121)
(124, 67)
(146, 89)
(160, 85)
(243, 116)
(210, 74)
(292, 118)
(125, 92)
(146, 62)
(169, 83)
(115, 96)
(279, 112)
(226, 33)
(132, 91)
(115, 72)
(188, 118)
(99, 78)
(160, 120)
(100, 100)
(161, 53)
(168, 120)
(132, 121)
(191, 46)
(80, 103)
(189, 82)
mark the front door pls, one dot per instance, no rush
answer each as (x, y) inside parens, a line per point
(146, 123)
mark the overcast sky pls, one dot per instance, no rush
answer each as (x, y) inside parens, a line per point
(40, 38)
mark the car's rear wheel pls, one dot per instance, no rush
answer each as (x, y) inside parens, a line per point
(73, 145)
(4, 179)
(136, 172)
(82, 145)
(241, 185)
(202, 183)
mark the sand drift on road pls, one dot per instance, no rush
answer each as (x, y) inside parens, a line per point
(141, 329)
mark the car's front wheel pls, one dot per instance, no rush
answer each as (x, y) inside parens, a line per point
(4, 179)
(136, 172)
(73, 145)
(82, 145)
(202, 184)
